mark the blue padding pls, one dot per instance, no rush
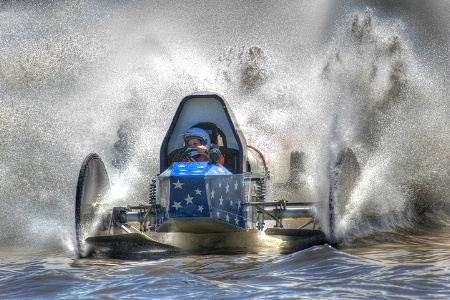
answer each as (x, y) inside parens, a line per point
(196, 169)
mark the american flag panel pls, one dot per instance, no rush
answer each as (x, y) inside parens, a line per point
(199, 189)
(226, 197)
(188, 197)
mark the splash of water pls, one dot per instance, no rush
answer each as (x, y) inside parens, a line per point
(71, 75)
(396, 119)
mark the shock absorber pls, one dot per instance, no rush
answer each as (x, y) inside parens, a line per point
(152, 202)
(261, 190)
(152, 192)
(260, 195)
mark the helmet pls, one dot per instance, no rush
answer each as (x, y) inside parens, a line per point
(197, 133)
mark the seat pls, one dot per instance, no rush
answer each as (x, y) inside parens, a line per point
(218, 141)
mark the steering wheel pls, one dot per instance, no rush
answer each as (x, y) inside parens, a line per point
(187, 154)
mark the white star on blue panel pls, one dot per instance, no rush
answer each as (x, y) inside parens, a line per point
(177, 205)
(189, 199)
(178, 184)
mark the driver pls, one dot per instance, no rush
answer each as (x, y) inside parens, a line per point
(197, 144)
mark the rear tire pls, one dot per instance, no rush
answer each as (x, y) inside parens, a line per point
(92, 187)
(343, 178)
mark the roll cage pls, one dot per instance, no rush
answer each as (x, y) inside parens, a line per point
(209, 112)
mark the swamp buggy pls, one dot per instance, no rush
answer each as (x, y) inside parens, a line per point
(215, 206)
